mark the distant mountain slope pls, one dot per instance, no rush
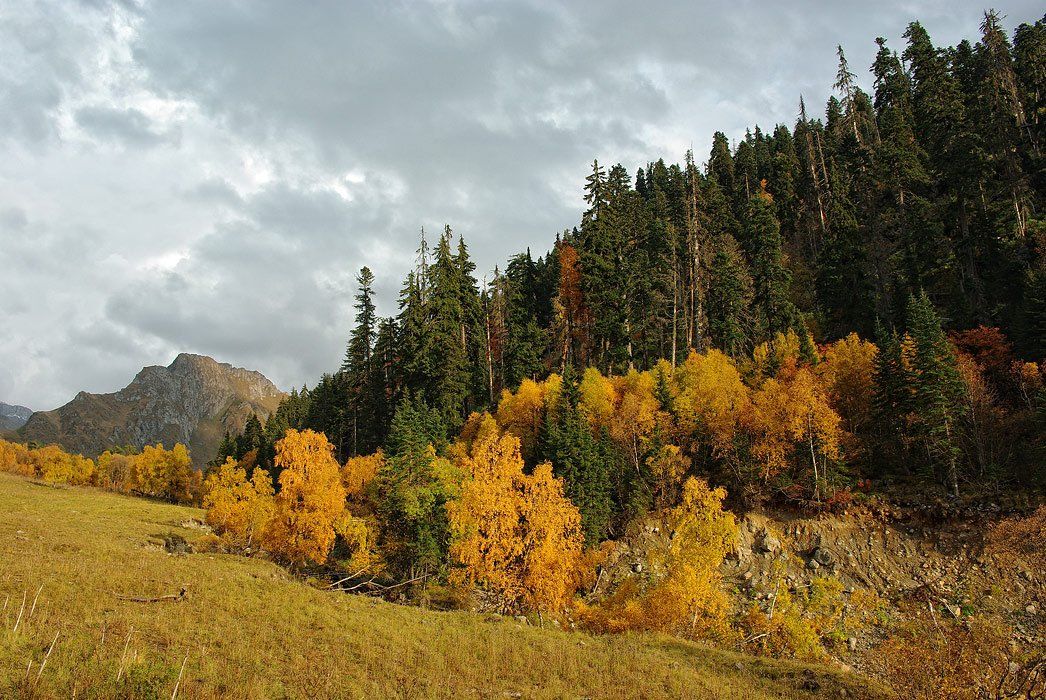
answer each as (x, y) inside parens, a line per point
(13, 417)
(194, 401)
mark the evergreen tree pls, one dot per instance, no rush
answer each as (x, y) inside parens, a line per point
(770, 277)
(730, 296)
(252, 439)
(567, 442)
(937, 390)
(413, 489)
(356, 368)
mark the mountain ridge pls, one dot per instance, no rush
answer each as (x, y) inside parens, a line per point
(194, 400)
(13, 416)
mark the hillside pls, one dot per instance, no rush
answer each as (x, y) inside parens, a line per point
(13, 417)
(249, 629)
(194, 400)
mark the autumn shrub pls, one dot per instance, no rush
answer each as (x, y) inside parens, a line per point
(690, 599)
(1020, 540)
(798, 623)
(940, 659)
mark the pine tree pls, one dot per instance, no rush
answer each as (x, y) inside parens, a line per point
(361, 341)
(357, 366)
(524, 338)
(447, 383)
(473, 338)
(770, 277)
(730, 296)
(937, 390)
(567, 442)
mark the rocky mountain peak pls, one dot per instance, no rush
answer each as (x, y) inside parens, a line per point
(194, 400)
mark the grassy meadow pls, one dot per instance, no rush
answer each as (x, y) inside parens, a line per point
(248, 629)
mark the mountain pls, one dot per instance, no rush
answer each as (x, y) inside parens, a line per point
(13, 417)
(194, 400)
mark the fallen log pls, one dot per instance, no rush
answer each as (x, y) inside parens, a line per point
(173, 597)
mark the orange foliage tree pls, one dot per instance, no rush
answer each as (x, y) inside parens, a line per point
(514, 534)
(310, 502)
(791, 416)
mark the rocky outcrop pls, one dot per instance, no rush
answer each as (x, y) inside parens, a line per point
(13, 417)
(193, 401)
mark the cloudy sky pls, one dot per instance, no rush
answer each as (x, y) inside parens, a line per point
(207, 176)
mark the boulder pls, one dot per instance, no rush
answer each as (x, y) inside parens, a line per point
(767, 543)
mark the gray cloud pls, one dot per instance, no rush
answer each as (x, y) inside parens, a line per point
(208, 177)
(126, 127)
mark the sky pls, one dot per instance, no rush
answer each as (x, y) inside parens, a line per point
(208, 176)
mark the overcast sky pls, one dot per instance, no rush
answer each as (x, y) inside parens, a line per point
(208, 176)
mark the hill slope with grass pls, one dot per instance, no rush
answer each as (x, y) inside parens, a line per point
(246, 628)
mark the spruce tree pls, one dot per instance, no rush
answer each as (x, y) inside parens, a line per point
(937, 391)
(567, 442)
(770, 278)
(447, 385)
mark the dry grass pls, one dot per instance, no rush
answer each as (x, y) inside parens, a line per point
(247, 629)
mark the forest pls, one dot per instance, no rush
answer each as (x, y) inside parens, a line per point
(911, 217)
(849, 307)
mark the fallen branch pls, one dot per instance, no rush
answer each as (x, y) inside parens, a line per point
(337, 583)
(173, 596)
(383, 589)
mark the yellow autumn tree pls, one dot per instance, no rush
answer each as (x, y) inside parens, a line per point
(522, 413)
(635, 415)
(54, 465)
(793, 423)
(514, 534)
(712, 400)
(689, 598)
(359, 472)
(668, 466)
(846, 373)
(237, 507)
(116, 471)
(14, 458)
(597, 398)
(310, 502)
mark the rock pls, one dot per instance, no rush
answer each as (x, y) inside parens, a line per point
(813, 565)
(767, 543)
(638, 567)
(1030, 609)
(747, 576)
(852, 643)
(176, 544)
(822, 556)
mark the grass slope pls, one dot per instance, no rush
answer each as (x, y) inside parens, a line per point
(247, 629)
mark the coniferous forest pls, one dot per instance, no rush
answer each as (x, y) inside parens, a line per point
(911, 217)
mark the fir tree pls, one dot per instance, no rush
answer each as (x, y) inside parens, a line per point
(567, 442)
